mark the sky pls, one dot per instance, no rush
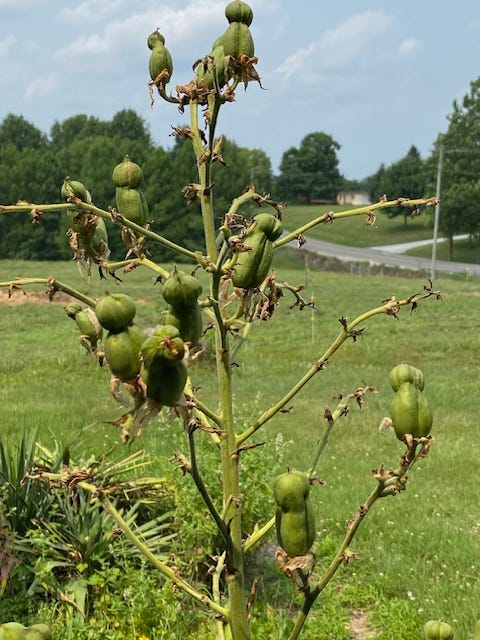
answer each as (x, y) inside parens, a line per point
(377, 76)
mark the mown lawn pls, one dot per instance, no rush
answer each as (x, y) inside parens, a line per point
(418, 551)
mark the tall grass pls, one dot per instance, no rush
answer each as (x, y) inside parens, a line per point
(418, 552)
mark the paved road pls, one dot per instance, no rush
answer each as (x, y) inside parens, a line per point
(378, 256)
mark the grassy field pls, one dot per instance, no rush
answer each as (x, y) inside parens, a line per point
(418, 552)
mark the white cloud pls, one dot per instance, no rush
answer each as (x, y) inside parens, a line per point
(184, 25)
(409, 46)
(40, 88)
(90, 11)
(338, 47)
(6, 44)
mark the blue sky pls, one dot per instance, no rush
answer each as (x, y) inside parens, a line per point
(378, 76)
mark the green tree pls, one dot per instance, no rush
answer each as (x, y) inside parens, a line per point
(128, 125)
(311, 171)
(62, 134)
(405, 178)
(460, 169)
(21, 133)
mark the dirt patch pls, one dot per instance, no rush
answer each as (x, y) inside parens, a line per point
(359, 626)
(32, 297)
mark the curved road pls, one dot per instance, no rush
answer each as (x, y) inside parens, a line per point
(379, 256)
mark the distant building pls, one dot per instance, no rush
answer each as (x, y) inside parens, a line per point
(353, 197)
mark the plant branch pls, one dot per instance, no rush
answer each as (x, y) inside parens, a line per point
(132, 263)
(107, 215)
(53, 286)
(332, 417)
(390, 307)
(388, 483)
(197, 478)
(257, 534)
(161, 566)
(367, 210)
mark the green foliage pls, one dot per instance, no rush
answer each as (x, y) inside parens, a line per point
(310, 171)
(378, 583)
(62, 540)
(85, 148)
(405, 178)
(460, 168)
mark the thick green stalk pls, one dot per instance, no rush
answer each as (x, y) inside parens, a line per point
(231, 489)
(204, 165)
(234, 562)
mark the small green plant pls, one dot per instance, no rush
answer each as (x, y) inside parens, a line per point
(155, 374)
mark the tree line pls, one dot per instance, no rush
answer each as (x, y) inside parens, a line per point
(33, 166)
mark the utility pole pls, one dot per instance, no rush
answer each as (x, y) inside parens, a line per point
(437, 214)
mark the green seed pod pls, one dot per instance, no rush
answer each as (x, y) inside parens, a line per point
(252, 267)
(410, 410)
(437, 630)
(188, 320)
(155, 39)
(95, 241)
(72, 309)
(76, 189)
(122, 355)
(136, 336)
(165, 381)
(404, 372)
(43, 629)
(160, 61)
(291, 489)
(127, 174)
(12, 631)
(296, 530)
(164, 344)
(238, 11)
(89, 326)
(132, 204)
(215, 73)
(115, 311)
(294, 519)
(181, 289)
(269, 224)
(237, 40)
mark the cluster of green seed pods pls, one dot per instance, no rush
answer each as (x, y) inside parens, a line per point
(91, 237)
(181, 291)
(224, 61)
(116, 313)
(130, 200)
(163, 369)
